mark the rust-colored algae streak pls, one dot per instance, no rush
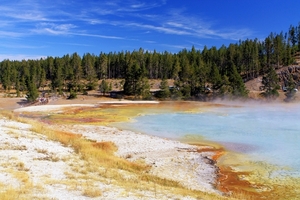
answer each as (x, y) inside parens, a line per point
(242, 185)
(229, 182)
(218, 154)
(236, 184)
(105, 114)
(240, 178)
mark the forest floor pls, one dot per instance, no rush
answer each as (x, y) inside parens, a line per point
(253, 86)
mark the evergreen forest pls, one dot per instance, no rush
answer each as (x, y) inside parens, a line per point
(217, 72)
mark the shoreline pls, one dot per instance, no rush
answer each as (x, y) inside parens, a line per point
(224, 179)
(53, 106)
(198, 162)
(194, 166)
(169, 159)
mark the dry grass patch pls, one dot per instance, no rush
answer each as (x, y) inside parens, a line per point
(108, 147)
(42, 151)
(14, 132)
(51, 158)
(26, 187)
(90, 190)
(24, 192)
(9, 146)
(11, 194)
(21, 167)
(9, 114)
(100, 152)
(13, 164)
(19, 148)
(48, 156)
(100, 164)
(22, 176)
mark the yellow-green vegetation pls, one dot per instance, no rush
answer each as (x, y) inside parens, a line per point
(90, 190)
(17, 170)
(107, 114)
(255, 180)
(13, 193)
(99, 164)
(263, 176)
(95, 115)
(101, 152)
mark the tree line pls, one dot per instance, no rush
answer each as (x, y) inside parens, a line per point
(196, 73)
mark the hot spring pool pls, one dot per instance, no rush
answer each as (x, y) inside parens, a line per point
(268, 133)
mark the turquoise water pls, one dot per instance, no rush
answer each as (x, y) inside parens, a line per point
(265, 133)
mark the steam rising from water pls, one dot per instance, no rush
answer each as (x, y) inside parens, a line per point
(268, 133)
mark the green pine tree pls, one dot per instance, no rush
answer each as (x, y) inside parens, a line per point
(32, 93)
(215, 78)
(270, 84)
(164, 90)
(291, 89)
(144, 88)
(133, 77)
(104, 88)
(236, 82)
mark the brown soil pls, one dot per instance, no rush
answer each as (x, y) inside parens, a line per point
(11, 103)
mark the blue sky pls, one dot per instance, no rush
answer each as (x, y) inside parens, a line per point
(30, 29)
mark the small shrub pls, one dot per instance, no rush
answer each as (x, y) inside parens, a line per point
(91, 85)
(73, 95)
(85, 92)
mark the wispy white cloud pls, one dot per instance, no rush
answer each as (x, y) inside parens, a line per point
(168, 30)
(131, 20)
(99, 36)
(20, 57)
(196, 44)
(96, 21)
(129, 13)
(53, 28)
(5, 23)
(150, 41)
(10, 34)
(21, 46)
(67, 30)
(235, 34)
(29, 16)
(175, 24)
(179, 22)
(22, 11)
(136, 5)
(176, 46)
(119, 8)
(71, 44)
(133, 14)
